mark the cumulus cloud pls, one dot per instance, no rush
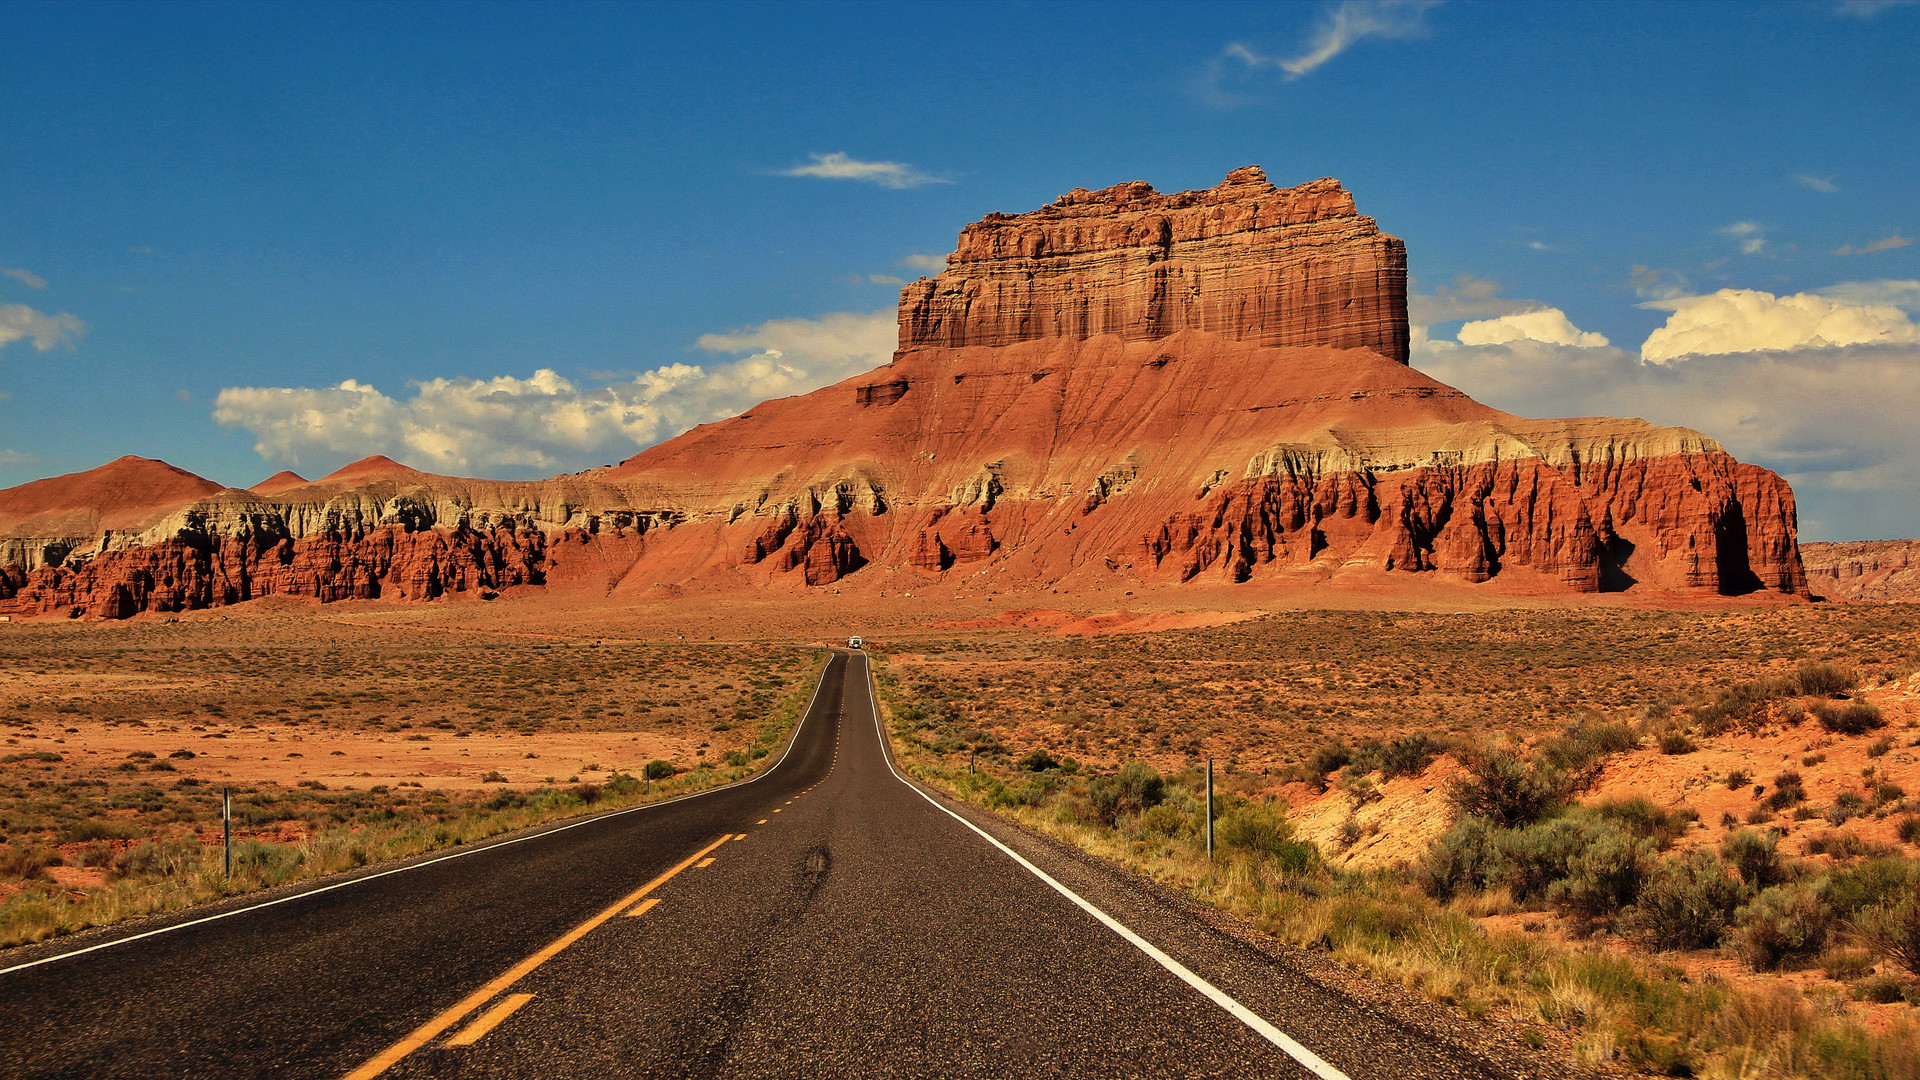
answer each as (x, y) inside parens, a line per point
(46, 331)
(1748, 320)
(1885, 244)
(1837, 423)
(548, 422)
(25, 277)
(1549, 325)
(931, 264)
(887, 174)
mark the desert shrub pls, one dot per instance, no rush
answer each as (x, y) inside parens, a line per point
(1742, 702)
(1688, 902)
(1892, 930)
(1038, 760)
(1674, 743)
(1816, 679)
(1641, 817)
(1851, 718)
(1787, 791)
(588, 794)
(1882, 989)
(1604, 879)
(1738, 779)
(1261, 829)
(81, 832)
(1407, 756)
(19, 861)
(1325, 759)
(1783, 924)
(1846, 806)
(1846, 965)
(1908, 829)
(658, 769)
(1756, 856)
(1532, 859)
(1579, 752)
(1880, 748)
(1464, 859)
(1853, 889)
(1507, 790)
(1141, 786)
(1166, 820)
(1886, 792)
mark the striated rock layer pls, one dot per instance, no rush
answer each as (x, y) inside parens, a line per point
(1123, 387)
(1244, 261)
(1886, 571)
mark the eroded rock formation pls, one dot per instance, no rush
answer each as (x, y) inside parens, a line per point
(1121, 388)
(1887, 571)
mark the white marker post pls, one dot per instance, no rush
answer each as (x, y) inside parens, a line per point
(226, 824)
(1209, 809)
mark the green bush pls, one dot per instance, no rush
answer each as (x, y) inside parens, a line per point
(1605, 879)
(1674, 743)
(1261, 829)
(1507, 790)
(1643, 818)
(1783, 924)
(1464, 859)
(1816, 679)
(1688, 902)
(1532, 860)
(1852, 718)
(1787, 791)
(1038, 760)
(658, 769)
(1756, 856)
(1893, 930)
(1580, 751)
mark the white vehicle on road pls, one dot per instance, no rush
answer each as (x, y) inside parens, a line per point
(853, 642)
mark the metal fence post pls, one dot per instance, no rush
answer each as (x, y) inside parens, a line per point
(1209, 809)
(226, 824)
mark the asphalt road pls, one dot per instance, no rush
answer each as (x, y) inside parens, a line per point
(825, 920)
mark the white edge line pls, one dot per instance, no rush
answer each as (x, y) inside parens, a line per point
(475, 850)
(1307, 1058)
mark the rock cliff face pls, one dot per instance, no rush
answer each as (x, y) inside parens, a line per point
(1124, 387)
(1886, 571)
(1245, 261)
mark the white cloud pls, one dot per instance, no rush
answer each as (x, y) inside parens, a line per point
(26, 277)
(1549, 325)
(549, 423)
(1867, 9)
(1837, 423)
(1468, 297)
(20, 321)
(932, 264)
(1654, 283)
(1824, 186)
(1750, 235)
(1904, 295)
(888, 174)
(1343, 26)
(14, 457)
(1748, 320)
(885, 279)
(1884, 244)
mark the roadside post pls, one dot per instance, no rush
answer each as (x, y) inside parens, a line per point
(1209, 809)
(226, 825)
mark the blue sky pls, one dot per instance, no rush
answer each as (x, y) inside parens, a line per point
(530, 239)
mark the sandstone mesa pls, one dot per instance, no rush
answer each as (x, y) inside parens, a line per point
(1122, 387)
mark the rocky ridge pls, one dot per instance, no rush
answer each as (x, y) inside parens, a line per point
(1122, 387)
(1884, 571)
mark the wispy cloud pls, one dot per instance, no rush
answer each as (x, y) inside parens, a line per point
(885, 279)
(26, 277)
(1867, 9)
(14, 457)
(20, 321)
(548, 422)
(932, 264)
(1341, 28)
(1884, 244)
(1823, 186)
(887, 174)
(1750, 235)
(1657, 283)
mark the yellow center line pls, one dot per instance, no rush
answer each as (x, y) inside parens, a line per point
(645, 906)
(489, 1020)
(426, 1032)
(762, 821)
(708, 861)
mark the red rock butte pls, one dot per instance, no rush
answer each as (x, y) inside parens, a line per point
(1121, 388)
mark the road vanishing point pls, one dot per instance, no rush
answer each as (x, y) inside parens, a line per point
(829, 918)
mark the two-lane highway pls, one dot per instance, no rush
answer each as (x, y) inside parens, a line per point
(827, 919)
